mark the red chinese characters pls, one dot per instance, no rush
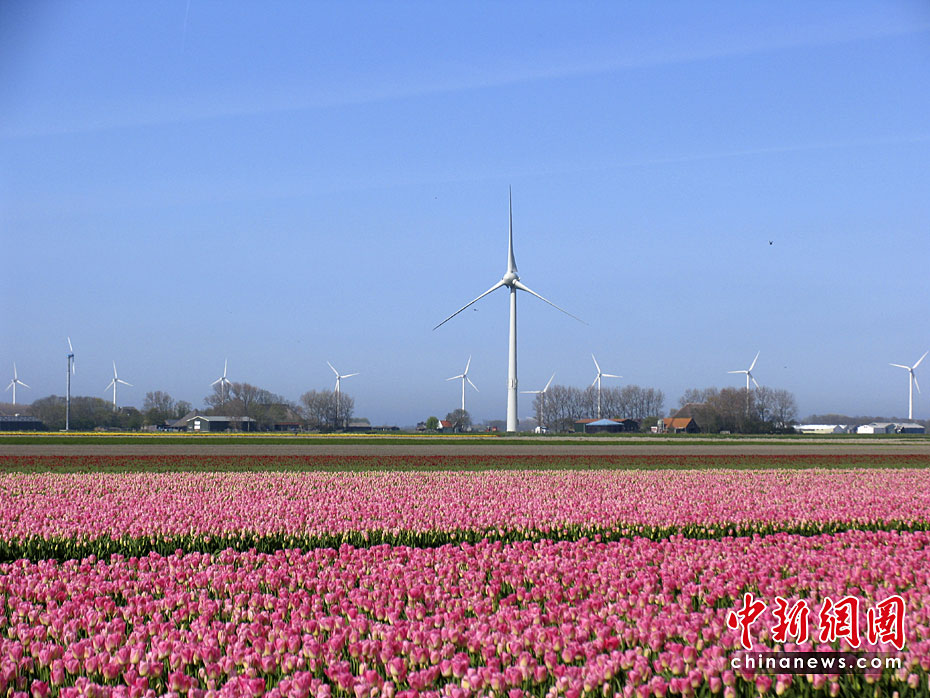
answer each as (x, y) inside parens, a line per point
(837, 620)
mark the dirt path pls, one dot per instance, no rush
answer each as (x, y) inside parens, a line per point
(466, 449)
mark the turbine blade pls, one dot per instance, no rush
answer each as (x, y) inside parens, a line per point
(472, 384)
(218, 380)
(754, 381)
(549, 383)
(737, 371)
(114, 369)
(596, 364)
(454, 378)
(916, 384)
(511, 262)
(14, 371)
(120, 380)
(109, 385)
(349, 375)
(753, 364)
(493, 288)
(611, 375)
(595, 381)
(225, 366)
(70, 348)
(921, 359)
(524, 287)
(10, 385)
(901, 366)
(467, 364)
(531, 392)
(332, 367)
(21, 383)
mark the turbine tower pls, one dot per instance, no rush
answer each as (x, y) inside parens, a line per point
(223, 381)
(748, 372)
(464, 377)
(70, 373)
(543, 393)
(912, 381)
(339, 378)
(512, 282)
(597, 381)
(16, 381)
(113, 383)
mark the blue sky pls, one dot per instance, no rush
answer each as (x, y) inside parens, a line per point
(286, 183)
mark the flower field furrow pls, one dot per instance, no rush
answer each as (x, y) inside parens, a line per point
(332, 507)
(633, 617)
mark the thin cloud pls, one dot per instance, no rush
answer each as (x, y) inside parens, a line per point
(282, 101)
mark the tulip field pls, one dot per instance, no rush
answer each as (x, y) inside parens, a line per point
(426, 577)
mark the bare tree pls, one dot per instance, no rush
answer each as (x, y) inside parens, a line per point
(784, 409)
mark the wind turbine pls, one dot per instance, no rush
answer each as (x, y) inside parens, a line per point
(748, 372)
(541, 392)
(912, 381)
(71, 371)
(16, 381)
(114, 382)
(597, 380)
(339, 378)
(464, 377)
(512, 282)
(223, 381)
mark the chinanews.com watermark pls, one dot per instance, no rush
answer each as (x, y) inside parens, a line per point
(814, 662)
(836, 621)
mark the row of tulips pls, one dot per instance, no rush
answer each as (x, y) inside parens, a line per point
(71, 515)
(550, 619)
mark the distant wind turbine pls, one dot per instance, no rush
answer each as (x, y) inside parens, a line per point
(71, 371)
(912, 382)
(113, 383)
(542, 393)
(512, 282)
(464, 377)
(338, 388)
(339, 377)
(224, 382)
(16, 381)
(597, 381)
(748, 372)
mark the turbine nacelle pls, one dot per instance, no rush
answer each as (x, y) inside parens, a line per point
(510, 278)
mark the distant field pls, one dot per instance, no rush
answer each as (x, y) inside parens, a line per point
(454, 445)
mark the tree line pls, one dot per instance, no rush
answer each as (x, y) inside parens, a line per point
(561, 406)
(763, 410)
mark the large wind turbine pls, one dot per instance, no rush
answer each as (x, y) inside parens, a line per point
(543, 393)
(512, 282)
(71, 370)
(912, 381)
(113, 383)
(224, 382)
(597, 381)
(16, 381)
(748, 372)
(464, 377)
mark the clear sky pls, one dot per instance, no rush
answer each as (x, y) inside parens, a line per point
(286, 183)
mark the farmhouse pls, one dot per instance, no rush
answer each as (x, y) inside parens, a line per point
(910, 428)
(201, 424)
(876, 428)
(680, 425)
(610, 426)
(21, 423)
(821, 429)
